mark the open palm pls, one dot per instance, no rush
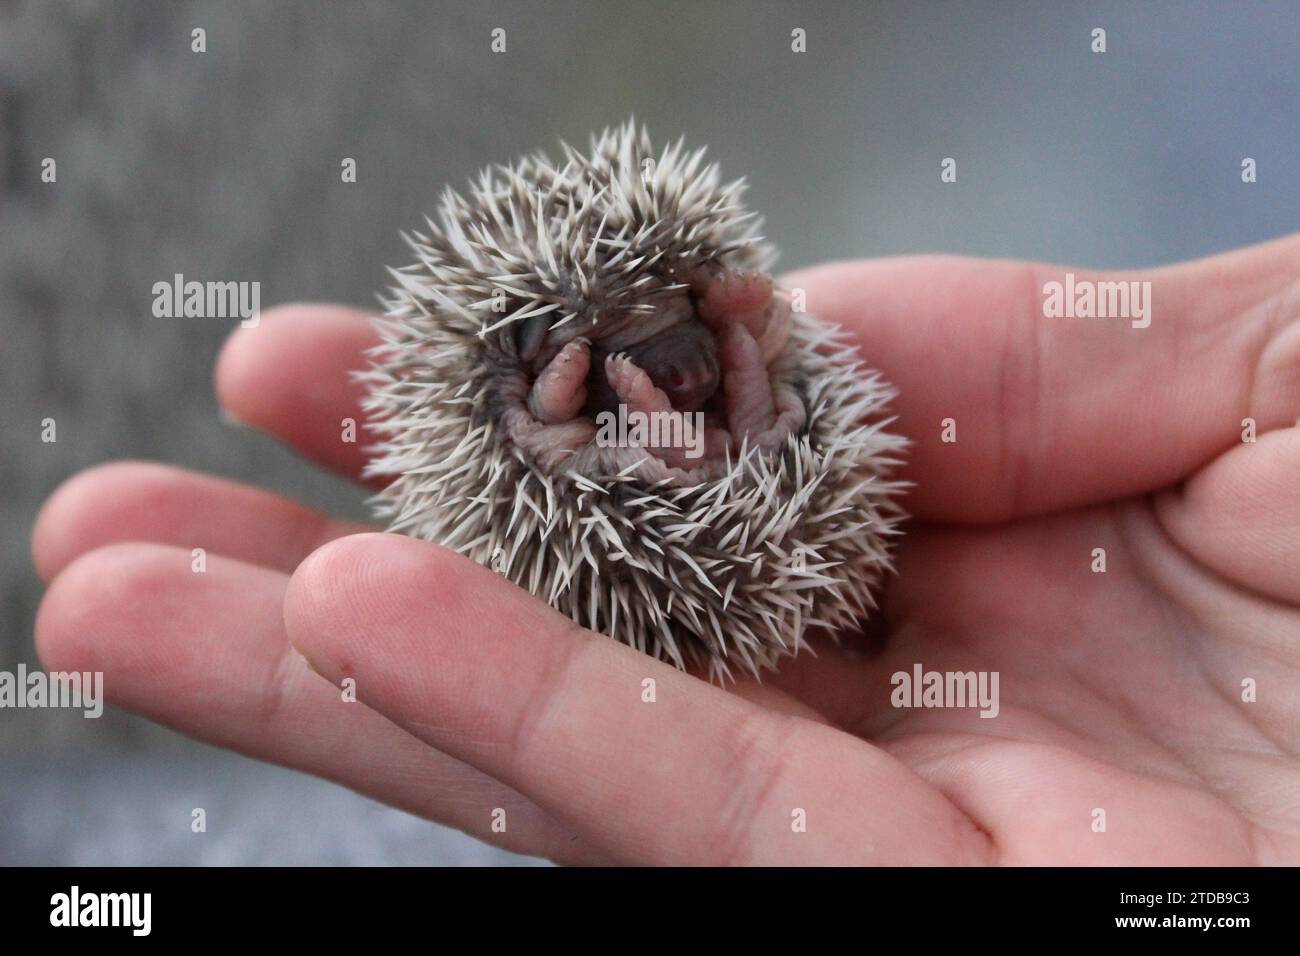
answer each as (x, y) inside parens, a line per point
(1147, 711)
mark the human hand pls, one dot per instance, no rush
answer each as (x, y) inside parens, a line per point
(1119, 691)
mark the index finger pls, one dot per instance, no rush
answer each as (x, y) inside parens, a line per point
(291, 375)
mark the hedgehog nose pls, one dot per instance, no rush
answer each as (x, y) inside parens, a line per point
(690, 381)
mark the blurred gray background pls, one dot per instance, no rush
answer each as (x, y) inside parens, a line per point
(225, 165)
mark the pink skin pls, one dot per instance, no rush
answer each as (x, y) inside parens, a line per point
(766, 417)
(639, 394)
(561, 389)
(734, 295)
(544, 421)
(747, 298)
(553, 447)
(751, 324)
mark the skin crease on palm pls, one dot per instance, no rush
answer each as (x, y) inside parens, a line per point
(1120, 691)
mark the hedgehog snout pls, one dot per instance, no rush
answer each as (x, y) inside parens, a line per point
(683, 363)
(689, 378)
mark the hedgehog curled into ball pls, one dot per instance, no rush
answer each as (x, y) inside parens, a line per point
(627, 285)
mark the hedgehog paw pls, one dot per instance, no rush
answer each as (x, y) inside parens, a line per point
(561, 389)
(683, 438)
(748, 298)
(733, 295)
(756, 413)
(633, 386)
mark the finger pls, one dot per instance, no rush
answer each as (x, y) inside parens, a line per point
(206, 654)
(494, 677)
(1058, 412)
(1240, 516)
(290, 375)
(143, 501)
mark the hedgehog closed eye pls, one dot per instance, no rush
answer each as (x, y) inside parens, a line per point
(745, 494)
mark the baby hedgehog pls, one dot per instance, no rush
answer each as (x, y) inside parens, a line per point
(589, 383)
